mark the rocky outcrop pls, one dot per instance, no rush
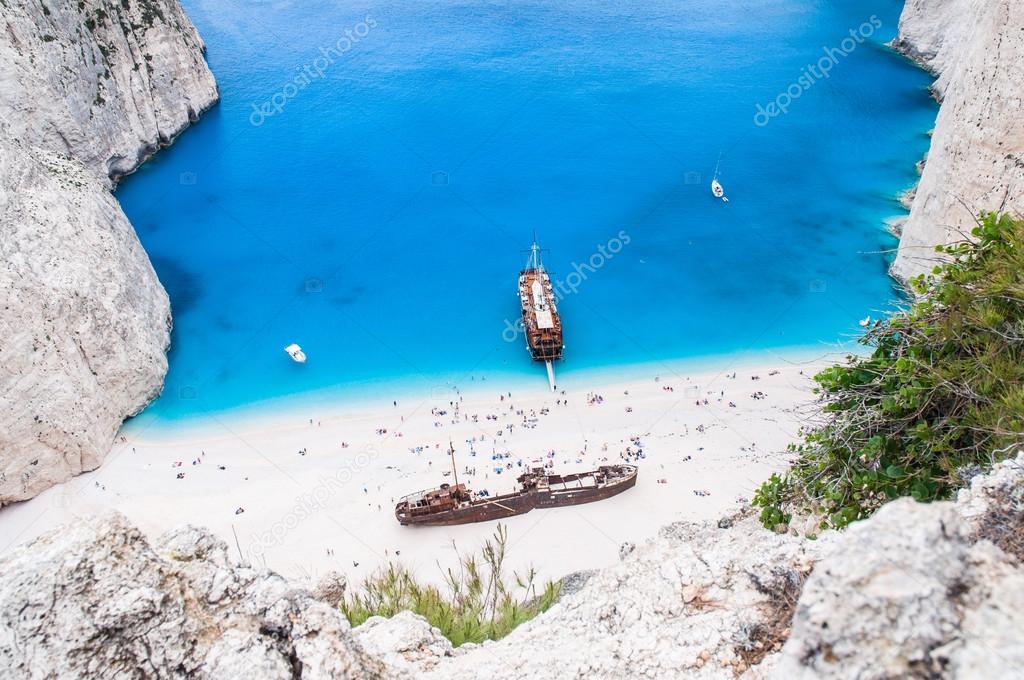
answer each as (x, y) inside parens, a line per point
(909, 594)
(107, 82)
(84, 321)
(95, 600)
(976, 161)
(90, 89)
(699, 601)
(406, 642)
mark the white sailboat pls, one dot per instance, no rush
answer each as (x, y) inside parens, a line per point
(717, 190)
(296, 353)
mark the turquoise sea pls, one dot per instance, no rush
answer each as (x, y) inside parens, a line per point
(374, 170)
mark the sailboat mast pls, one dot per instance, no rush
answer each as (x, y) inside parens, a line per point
(451, 451)
(534, 260)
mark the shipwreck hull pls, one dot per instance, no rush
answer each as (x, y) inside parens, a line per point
(511, 505)
(499, 507)
(566, 497)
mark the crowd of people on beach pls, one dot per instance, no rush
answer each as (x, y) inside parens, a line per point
(512, 435)
(507, 455)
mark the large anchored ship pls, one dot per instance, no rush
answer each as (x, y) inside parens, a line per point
(456, 504)
(540, 314)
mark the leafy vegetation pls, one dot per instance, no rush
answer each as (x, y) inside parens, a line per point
(940, 397)
(475, 605)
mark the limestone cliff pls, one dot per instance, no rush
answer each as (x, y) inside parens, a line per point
(89, 90)
(97, 601)
(105, 81)
(976, 161)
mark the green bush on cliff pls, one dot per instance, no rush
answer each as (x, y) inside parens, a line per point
(475, 605)
(940, 397)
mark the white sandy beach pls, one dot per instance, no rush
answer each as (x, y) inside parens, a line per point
(317, 490)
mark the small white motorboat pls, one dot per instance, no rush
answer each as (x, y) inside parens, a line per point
(296, 353)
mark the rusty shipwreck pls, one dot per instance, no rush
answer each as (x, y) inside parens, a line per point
(457, 504)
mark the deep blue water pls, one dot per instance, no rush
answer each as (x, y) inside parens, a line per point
(377, 217)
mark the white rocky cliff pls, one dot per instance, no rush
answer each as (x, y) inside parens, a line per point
(89, 90)
(976, 161)
(96, 601)
(106, 81)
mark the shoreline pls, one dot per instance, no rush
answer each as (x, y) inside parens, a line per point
(316, 492)
(369, 396)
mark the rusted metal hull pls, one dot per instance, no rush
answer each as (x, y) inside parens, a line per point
(510, 505)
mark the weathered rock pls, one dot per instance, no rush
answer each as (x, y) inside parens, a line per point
(999, 490)
(90, 89)
(108, 81)
(976, 160)
(906, 594)
(84, 321)
(574, 582)
(331, 588)
(406, 642)
(692, 603)
(94, 600)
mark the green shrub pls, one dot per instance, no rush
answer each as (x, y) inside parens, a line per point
(940, 397)
(475, 605)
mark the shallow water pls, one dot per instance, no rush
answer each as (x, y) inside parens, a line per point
(373, 206)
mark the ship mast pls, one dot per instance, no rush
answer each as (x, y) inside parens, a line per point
(535, 262)
(451, 452)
